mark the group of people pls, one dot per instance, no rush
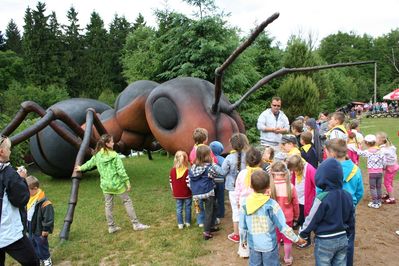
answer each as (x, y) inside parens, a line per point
(26, 215)
(304, 176)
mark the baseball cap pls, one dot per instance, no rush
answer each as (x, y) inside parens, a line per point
(288, 139)
(370, 138)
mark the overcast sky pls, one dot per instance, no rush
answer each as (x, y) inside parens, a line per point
(317, 17)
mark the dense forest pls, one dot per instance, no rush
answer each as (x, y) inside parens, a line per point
(50, 62)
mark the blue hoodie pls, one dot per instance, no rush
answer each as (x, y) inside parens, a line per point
(353, 182)
(332, 213)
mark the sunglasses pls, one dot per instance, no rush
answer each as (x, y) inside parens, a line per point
(276, 105)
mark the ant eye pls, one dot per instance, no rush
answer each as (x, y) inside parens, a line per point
(165, 113)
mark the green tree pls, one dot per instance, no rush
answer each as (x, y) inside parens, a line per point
(119, 29)
(2, 42)
(97, 73)
(74, 48)
(45, 96)
(11, 69)
(14, 40)
(139, 22)
(204, 7)
(140, 57)
(300, 95)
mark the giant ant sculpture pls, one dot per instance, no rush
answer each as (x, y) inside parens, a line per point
(144, 112)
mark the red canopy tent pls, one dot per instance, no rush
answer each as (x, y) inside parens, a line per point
(393, 96)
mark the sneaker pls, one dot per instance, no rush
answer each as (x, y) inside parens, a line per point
(140, 227)
(47, 262)
(113, 229)
(289, 261)
(389, 201)
(217, 221)
(243, 252)
(187, 224)
(374, 205)
(233, 237)
(207, 236)
(180, 226)
(397, 232)
(200, 225)
(385, 197)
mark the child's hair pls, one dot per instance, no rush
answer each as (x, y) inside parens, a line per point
(32, 182)
(253, 157)
(269, 150)
(200, 135)
(295, 163)
(203, 154)
(369, 143)
(280, 167)
(306, 137)
(297, 125)
(338, 146)
(340, 116)
(354, 124)
(239, 142)
(384, 138)
(102, 143)
(181, 159)
(260, 181)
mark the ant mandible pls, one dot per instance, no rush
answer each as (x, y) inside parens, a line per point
(147, 115)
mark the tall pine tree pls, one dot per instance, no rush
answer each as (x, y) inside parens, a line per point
(74, 47)
(119, 29)
(14, 40)
(97, 75)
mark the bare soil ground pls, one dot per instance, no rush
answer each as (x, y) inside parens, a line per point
(375, 242)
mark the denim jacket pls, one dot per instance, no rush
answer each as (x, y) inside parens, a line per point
(258, 229)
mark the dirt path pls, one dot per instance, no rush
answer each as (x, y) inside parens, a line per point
(375, 244)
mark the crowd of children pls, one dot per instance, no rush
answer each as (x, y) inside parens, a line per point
(312, 183)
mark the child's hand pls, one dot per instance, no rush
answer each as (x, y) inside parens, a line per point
(77, 168)
(44, 234)
(21, 170)
(301, 241)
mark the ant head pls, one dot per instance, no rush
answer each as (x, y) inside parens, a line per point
(177, 107)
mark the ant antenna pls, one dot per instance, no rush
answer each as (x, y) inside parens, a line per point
(220, 70)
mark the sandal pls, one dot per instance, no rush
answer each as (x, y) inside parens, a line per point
(390, 201)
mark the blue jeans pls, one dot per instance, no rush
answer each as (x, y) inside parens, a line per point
(270, 258)
(40, 244)
(351, 245)
(331, 251)
(201, 215)
(179, 210)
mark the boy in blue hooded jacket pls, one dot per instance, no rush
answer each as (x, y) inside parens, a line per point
(331, 216)
(217, 149)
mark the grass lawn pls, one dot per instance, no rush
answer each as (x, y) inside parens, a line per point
(90, 243)
(163, 243)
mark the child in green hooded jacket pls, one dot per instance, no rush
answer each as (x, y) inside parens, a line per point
(113, 181)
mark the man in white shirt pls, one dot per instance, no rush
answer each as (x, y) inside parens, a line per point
(272, 123)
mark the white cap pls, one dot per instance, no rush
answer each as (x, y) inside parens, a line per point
(370, 138)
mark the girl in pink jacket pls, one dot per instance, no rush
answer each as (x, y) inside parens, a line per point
(302, 176)
(285, 194)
